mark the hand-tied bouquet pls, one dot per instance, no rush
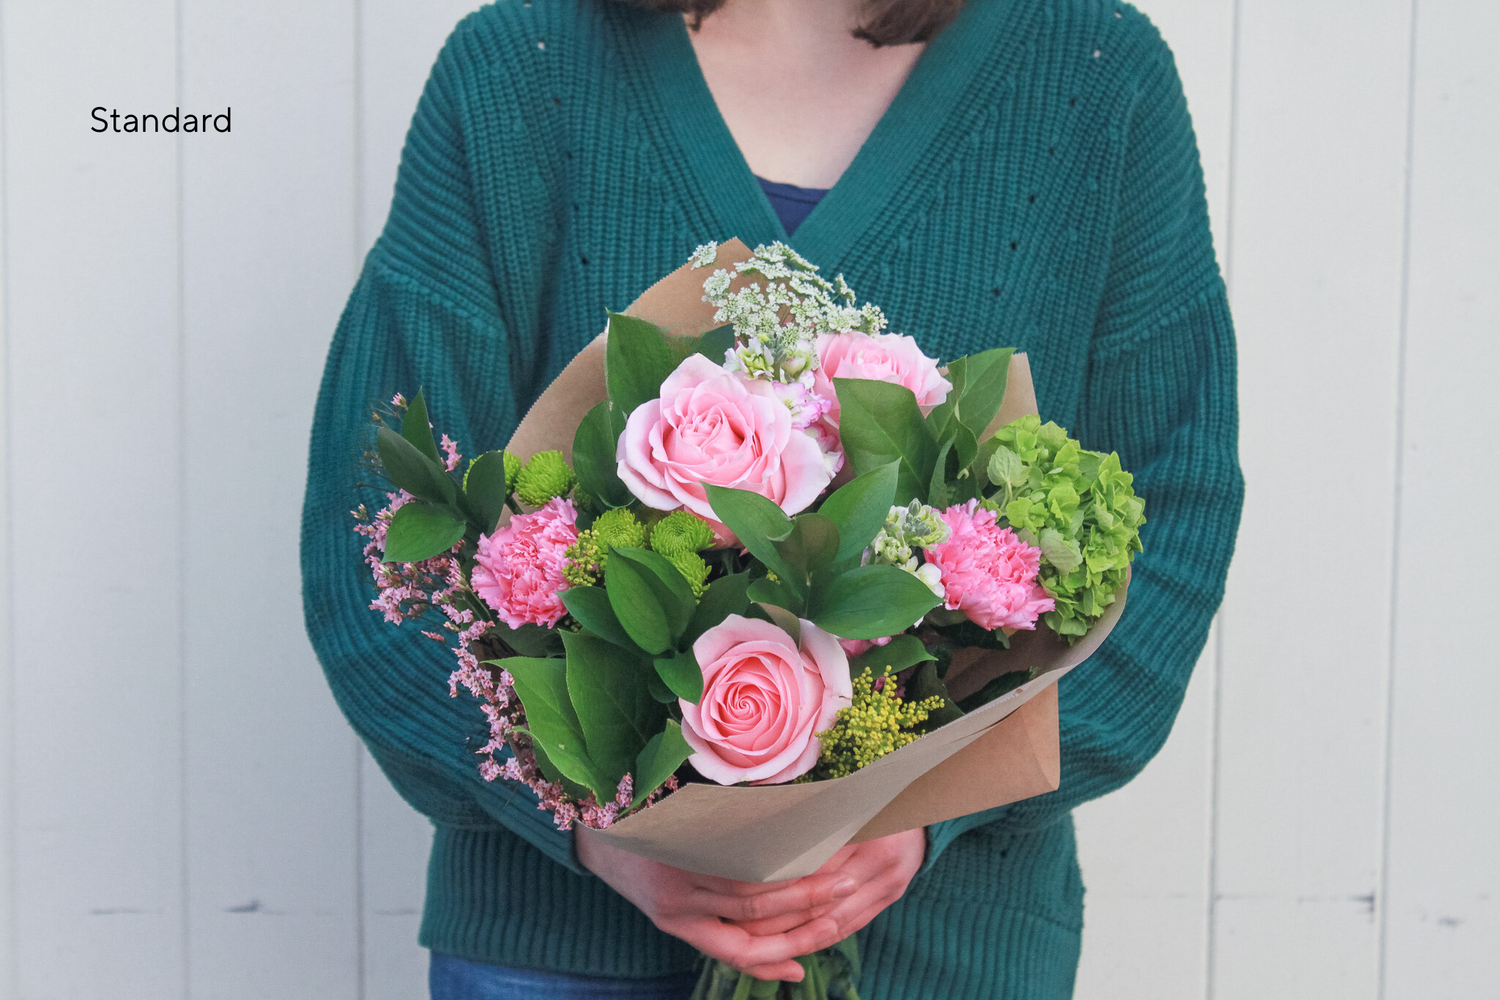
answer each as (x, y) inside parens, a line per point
(775, 567)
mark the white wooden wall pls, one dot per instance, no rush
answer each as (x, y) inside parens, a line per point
(183, 813)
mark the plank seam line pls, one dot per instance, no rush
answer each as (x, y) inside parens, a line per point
(1210, 938)
(1382, 892)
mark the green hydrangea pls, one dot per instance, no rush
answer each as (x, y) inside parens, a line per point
(1077, 506)
(587, 556)
(678, 538)
(877, 723)
(544, 476)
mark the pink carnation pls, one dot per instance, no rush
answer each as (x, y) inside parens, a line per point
(988, 572)
(880, 357)
(518, 570)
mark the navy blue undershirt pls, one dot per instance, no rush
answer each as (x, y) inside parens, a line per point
(792, 203)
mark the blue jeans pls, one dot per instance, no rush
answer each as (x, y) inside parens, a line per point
(450, 978)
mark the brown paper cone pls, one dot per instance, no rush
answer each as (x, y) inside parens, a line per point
(1003, 752)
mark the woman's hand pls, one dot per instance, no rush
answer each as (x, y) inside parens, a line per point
(712, 914)
(882, 869)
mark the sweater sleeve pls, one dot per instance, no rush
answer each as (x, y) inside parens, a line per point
(1160, 390)
(424, 313)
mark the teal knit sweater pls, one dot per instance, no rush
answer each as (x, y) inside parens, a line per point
(1036, 183)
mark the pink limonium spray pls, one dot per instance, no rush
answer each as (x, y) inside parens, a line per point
(987, 572)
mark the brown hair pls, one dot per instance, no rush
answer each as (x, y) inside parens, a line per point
(890, 22)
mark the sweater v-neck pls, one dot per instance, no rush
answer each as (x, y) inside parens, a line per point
(927, 100)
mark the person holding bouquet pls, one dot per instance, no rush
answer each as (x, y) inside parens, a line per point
(991, 171)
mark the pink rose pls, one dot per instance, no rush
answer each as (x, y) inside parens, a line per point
(988, 572)
(713, 426)
(764, 699)
(880, 357)
(518, 570)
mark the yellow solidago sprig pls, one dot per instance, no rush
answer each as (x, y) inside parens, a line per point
(878, 722)
(587, 556)
(678, 538)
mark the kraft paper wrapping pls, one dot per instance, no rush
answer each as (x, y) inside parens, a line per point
(1000, 753)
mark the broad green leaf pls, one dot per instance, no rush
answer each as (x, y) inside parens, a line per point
(1005, 468)
(808, 550)
(551, 773)
(671, 588)
(869, 602)
(765, 592)
(609, 691)
(880, 423)
(724, 597)
(937, 490)
(662, 755)
(637, 359)
(412, 471)
(416, 427)
(681, 673)
(859, 509)
(594, 456)
(716, 343)
(926, 683)
(420, 531)
(542, 686)
(484, 486)
(755, 520)
(659, 689)
(985, 376)
(591, 607)
(632, 594)
(901, 652)
(784, 620)
(1059, 551)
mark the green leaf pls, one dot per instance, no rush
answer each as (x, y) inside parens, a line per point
(484, 486)
(633, 597)
(901, 652)
(671, 588)
(870, 602)
(763, 591)
(755, 520)
(937, 490)
(594, 456)
(412, 471)
(662, 755)
(1057, 550)
(591, 607)
(615, 709)
(1005, 468)
(808, 550)
(659, 689)
(681, 673)
(637, 359)
(420, 531)
(417, 428)
(926, 683)
(859, 509)
(529, 639)
(724, 597)
(551, 773)
(984, 378)
(542, 686)
(880, 423)
(716, 343)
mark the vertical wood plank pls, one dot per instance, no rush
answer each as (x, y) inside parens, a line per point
(7, 683)
(93, 393)
(1318, 209)
(398, 43)
(1145, 850)
(268, 234)
(1442, 902)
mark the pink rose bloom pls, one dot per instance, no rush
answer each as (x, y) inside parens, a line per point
(880, 357)
(988, 572)
(764, 698)
(518, 570)
(713, 426)
(854, 647)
